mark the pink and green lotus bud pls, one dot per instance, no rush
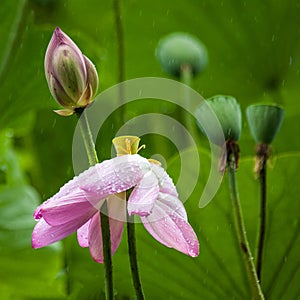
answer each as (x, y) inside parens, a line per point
(71, 76)
(264, 121)
(179, 50)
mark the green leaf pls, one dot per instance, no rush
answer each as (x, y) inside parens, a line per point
(32, 271)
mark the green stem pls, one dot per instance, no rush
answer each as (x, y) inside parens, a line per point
(241, 231)
(107, 252)
(121, 59)
(133, 258)
(186, 75)
(88, 139)
(262, 226)
(105, 229)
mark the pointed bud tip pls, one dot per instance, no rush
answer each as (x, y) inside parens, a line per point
(264, 121)
(58, 37)
(57, 30)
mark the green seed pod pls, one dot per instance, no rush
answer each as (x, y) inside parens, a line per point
(227, 111)
(264, 121)
(178, 50)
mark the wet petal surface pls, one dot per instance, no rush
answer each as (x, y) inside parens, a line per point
(144, 195)
(171, 228)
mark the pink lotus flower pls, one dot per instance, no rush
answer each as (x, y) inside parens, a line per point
(154, 198)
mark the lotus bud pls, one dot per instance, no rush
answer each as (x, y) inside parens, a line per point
(72, 78)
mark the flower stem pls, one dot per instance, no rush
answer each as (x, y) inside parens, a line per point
(133, 258)
(105, 229)
(241, 231)
(186, 76)
(263, 205)
(107, 252)
(87, 138)
(121, 59)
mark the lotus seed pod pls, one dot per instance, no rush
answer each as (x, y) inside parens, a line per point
(126, 144)
(228, 113)
(264, 121)
(177, 50)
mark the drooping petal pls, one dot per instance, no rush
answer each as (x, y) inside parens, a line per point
(116, 212)
(117, 206)
(166, 184)
(44, 234)
(144, 195)
(83, 234)
(70, 207)
(117, 216)
(113, 176)
(92, 186)
(95, 238)
(171, 205)
(171, 229)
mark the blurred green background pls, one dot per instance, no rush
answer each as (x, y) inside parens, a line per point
(254, 55)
